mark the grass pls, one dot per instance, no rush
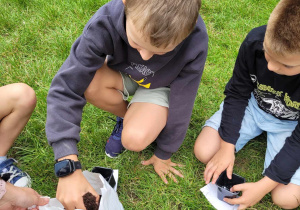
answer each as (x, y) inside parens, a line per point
(35, 39)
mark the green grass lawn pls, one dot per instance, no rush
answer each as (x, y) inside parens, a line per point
(35, 39)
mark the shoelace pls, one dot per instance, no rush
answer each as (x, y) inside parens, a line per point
(118, 126)
(11, 173)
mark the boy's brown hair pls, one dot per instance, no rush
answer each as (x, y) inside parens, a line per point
(283, 29)
(163, 22)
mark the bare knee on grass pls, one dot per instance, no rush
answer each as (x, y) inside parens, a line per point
(134, 139)
(143, 122)
(207, 144)
(22, 97)
(286, 196)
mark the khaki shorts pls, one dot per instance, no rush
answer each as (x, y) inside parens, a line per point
(158, 96)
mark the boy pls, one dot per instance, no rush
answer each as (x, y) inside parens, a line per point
(154, 50)
(262, 95)
(17, 102)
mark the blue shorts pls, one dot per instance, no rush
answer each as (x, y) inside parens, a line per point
(254, 123)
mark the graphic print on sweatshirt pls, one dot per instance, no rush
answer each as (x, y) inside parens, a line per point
(142, 69)
(277, 103)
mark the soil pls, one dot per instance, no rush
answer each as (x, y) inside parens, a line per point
(89, 201)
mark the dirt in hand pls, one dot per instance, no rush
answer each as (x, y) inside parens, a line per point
(89, 201)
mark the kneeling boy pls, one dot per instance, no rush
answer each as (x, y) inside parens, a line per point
(262, 95)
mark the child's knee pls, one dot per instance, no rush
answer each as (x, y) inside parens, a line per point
(207, 144)
(24, 96)
(284, 199)
(201, 154)
(134, 140)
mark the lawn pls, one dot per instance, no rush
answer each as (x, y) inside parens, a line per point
(35, 39)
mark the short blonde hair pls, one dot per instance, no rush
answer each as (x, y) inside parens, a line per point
(163, 22)
(283, 29)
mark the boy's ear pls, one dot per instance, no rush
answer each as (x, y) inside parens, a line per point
(124, 1)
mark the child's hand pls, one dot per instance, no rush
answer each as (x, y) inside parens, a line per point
(163, 168)
(223, 159)
(252, 192)
(70, 190)
(21, 198)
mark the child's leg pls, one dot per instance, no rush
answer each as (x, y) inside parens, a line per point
(286, 196)
(208, 141)
(142, 124)
(207, 144)
(104, 91)
(17, 102)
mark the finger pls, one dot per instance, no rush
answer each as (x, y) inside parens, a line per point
(207, 169)
(238, 187)
(163, 177)
(43, 201)
(242, 206)
(176, 164)
(98, 199)
(73, 205)
(233, 200)
(146, 162)
(80, 205)
(229, 171)
(172, 177)
(209, 174)
(176, 172)
(215, 176)
(70, 206)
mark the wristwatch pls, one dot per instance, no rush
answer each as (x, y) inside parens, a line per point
(2, 188)
(66, 167)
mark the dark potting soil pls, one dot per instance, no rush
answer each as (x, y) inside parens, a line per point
(89, 201)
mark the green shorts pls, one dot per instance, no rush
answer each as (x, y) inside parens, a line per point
(158, 96)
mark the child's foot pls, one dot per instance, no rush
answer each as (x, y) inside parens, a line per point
(114, 145)
(13, 174)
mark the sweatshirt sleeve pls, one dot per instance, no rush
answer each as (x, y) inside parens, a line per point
(65, 99)
(181, 101)
(287, 161)
(238, 91)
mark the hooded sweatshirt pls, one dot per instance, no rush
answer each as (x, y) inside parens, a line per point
(104, 37)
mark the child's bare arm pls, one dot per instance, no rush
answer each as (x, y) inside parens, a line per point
(252, 192)
(71, 188)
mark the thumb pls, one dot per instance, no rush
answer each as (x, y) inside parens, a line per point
(238, 187)
(229, 172)
(42, 201)
(146, 162)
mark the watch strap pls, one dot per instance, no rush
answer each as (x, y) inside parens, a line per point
(2, 188)
(77, 165)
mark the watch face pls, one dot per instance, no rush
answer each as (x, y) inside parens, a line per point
(63, 168)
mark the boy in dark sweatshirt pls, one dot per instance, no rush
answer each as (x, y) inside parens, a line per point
(153, 50)
(263, 94)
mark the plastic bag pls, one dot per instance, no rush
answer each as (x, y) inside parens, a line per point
(109, 197)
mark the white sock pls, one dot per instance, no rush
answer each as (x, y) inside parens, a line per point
(3, 158)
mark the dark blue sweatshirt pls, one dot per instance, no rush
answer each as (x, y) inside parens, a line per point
(278, 95)
(103, 37)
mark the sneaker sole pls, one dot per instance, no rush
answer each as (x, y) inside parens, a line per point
(108, 155)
